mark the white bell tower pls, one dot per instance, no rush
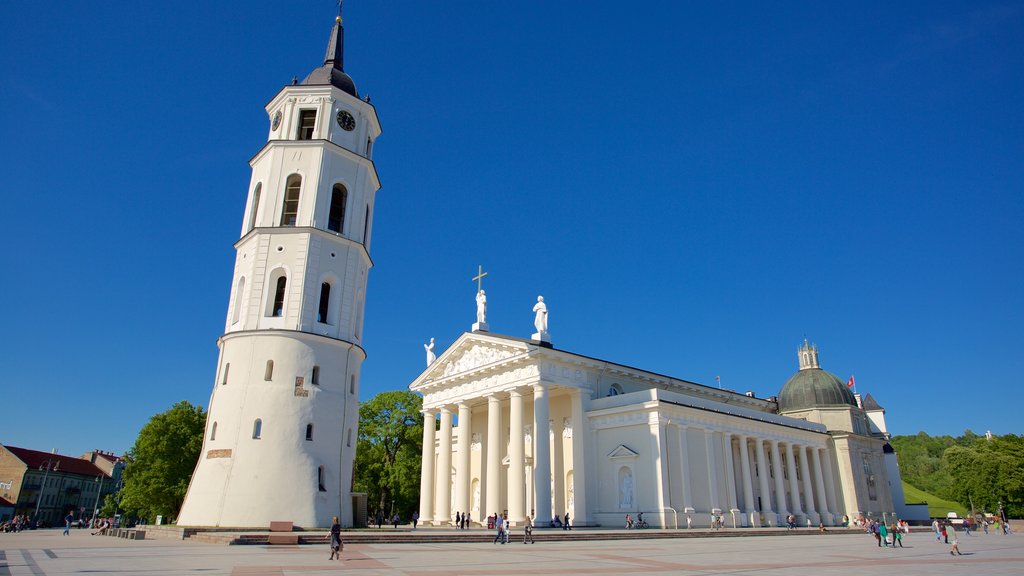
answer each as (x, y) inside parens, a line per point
(281, 429)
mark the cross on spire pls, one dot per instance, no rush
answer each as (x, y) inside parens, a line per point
(479, 278)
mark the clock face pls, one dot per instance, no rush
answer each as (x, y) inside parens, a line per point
(346, 121)
(276, 121)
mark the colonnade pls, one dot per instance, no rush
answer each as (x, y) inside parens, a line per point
(499, 491)
(753, 470)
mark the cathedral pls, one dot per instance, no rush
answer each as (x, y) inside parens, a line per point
(283, 414)
(529, 429)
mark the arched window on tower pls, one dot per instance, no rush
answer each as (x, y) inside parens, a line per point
(213, 432)
(268, 374)
(336, 217)
(325, 303)
(290, 208)
(279, 292)
(309, 432)
(257, 429)
(320, 479)
(239, 291)
(254, 212)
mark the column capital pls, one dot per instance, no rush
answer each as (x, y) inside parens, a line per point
(515, 392)
(446, 409)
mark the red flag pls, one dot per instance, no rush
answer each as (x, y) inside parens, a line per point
(851, 383)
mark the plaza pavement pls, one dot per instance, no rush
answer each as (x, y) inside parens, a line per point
(48, 552)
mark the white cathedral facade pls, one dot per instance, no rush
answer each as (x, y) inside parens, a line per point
(526, 428)
(282, 421)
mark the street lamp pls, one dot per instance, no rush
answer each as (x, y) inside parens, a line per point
(47, 466)
(96, 507)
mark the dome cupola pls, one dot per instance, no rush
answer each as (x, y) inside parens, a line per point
(812, 387)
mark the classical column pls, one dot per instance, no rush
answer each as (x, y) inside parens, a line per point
(805, 463)
(684, 468)
(709, 445)
(819, 483)
(780, 490)
(830, 481)
(443, 482)
(581, 514)
(748, 488)
(661, 486)
(427, 469)
(730, 472)
(516, 459)
(493, 489)
(541, 451)
(794, 488)
(762, 477)
(462, 471)
(558, 469)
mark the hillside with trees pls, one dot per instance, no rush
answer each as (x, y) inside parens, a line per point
(972, 470)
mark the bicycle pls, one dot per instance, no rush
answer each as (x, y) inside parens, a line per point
(640, 522)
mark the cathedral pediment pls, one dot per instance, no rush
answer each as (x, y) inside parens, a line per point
(621, 452)
(471, 352)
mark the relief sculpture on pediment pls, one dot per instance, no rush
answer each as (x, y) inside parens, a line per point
(476, 356)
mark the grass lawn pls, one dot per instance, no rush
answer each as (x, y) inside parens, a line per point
(937, 507)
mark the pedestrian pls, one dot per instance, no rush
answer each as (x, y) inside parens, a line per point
(565, 525)
(954, 550)
(396, 520)
(500, 535)
(935, 528)
(336, 544)
(528, 530)
(508, 530)
(466, 519)
(67, 523)
(458, 520)
(380, 519)
(897, 537)
(415, 519)
(883, 535)
(944, 532)
(967, 526)
(873, 528)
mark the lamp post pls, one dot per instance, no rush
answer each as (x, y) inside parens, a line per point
(47, 466)
(96, 507)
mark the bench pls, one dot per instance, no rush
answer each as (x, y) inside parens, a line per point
(280, 533)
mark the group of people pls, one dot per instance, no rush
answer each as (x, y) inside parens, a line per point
(888, 534)
(395, 520)
(638, 523)
(16, 524)
(503, 529)
(462, 520)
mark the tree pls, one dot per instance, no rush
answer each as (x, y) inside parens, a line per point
(388, 453)
(161, 462)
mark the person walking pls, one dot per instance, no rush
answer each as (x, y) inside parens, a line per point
(897, 537)
(565, 524)
(500, 526)
(335, 539)
(954, 549)
(873, 528)
(415, 519)
(528, 530)
(935, 528)
(508, 530)
(883, 535)
(945, 532)
(67, 523)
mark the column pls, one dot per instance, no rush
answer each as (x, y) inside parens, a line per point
(709, 445)
(443, 482)
(427, 469)
(516, 459)
(558, 470)
(819, 483)
(661, 485)
(780, 490)
(541, 452)
(805, 463)
(830, 485)
(684, 472)
(794, 488)
(748, 488)
(462, 463)
(762, 477)
(492, 494)
(730, 472)
(581, 514)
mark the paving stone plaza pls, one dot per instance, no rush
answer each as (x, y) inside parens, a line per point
(47, 552)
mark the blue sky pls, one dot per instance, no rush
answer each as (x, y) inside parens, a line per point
(693, 188)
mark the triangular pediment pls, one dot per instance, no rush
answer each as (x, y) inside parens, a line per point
(471, 352)
(621, 452)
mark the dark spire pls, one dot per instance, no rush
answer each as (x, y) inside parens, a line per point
(335, 56)
(333, 70)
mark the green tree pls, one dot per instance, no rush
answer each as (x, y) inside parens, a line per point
(388, 454)
(161, 462)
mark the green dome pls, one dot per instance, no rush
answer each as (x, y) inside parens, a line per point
(814, 388)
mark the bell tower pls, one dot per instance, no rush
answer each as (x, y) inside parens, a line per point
(282, 421)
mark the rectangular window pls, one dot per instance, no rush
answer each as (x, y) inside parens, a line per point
(224, 380)
(316, 376)
(307, 122)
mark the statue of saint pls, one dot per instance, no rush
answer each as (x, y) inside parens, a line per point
(430, 352)
(540, 321)
(481, 307)
(626, 496)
